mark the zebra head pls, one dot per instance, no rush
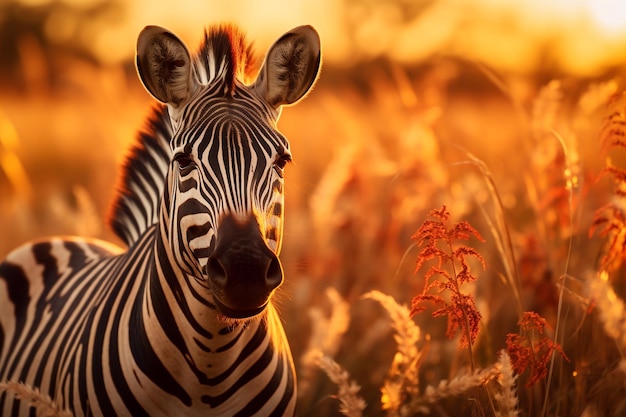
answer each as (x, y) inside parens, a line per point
(222, 209)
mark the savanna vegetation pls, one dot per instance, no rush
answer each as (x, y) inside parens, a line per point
(455, 234)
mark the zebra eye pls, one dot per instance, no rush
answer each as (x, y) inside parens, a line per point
(281, 162)
(184, 162)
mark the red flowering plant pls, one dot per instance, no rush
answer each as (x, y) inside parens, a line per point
(610, 220)
(439, 241)
(532, 348)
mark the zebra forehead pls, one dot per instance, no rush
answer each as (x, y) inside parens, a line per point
(224, 122)
(224, 53)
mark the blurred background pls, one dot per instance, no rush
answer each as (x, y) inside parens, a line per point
(491, 107)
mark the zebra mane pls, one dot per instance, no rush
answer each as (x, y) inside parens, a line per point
(223, 54)
(135, 207)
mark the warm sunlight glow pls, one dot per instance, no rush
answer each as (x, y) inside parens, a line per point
(188, 18)
(604, 276)
(583, 35)
(499, 126)
(608, 15)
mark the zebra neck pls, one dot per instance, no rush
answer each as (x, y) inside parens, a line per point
(181, 320)
(183, 355)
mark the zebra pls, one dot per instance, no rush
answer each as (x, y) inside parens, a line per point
(181, 323)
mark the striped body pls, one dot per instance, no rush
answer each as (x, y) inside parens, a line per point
(181, 323)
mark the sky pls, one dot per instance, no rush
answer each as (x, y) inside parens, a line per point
(580, 36)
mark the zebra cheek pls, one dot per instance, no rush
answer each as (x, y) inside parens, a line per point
(274, 234)
(201, 250)
(274, 230)
(195, 230)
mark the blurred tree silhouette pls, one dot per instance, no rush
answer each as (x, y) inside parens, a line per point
(42, 35)
(372, 25)
(406, 11)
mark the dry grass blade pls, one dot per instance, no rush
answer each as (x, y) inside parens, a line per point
(10, 163)
(610, 307)
(456, 386)
(597, 95)
(325, 336)
(44, 406)
(572, 185)
(499, 228)
(504, 88)
(352, 405)
(402, 381)
(506, 400)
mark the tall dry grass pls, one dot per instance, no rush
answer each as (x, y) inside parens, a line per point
(533, 199)
(519, 159)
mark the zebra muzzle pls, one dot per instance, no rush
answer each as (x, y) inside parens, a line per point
(242, 271)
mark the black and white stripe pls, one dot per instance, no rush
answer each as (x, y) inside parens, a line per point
(181, 323)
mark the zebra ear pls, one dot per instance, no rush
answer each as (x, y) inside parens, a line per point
(164, 65)
(291, 67)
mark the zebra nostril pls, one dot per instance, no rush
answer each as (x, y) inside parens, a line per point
(274, 274)
(216, 272)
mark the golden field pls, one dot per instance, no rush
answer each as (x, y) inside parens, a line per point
(515, 129)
